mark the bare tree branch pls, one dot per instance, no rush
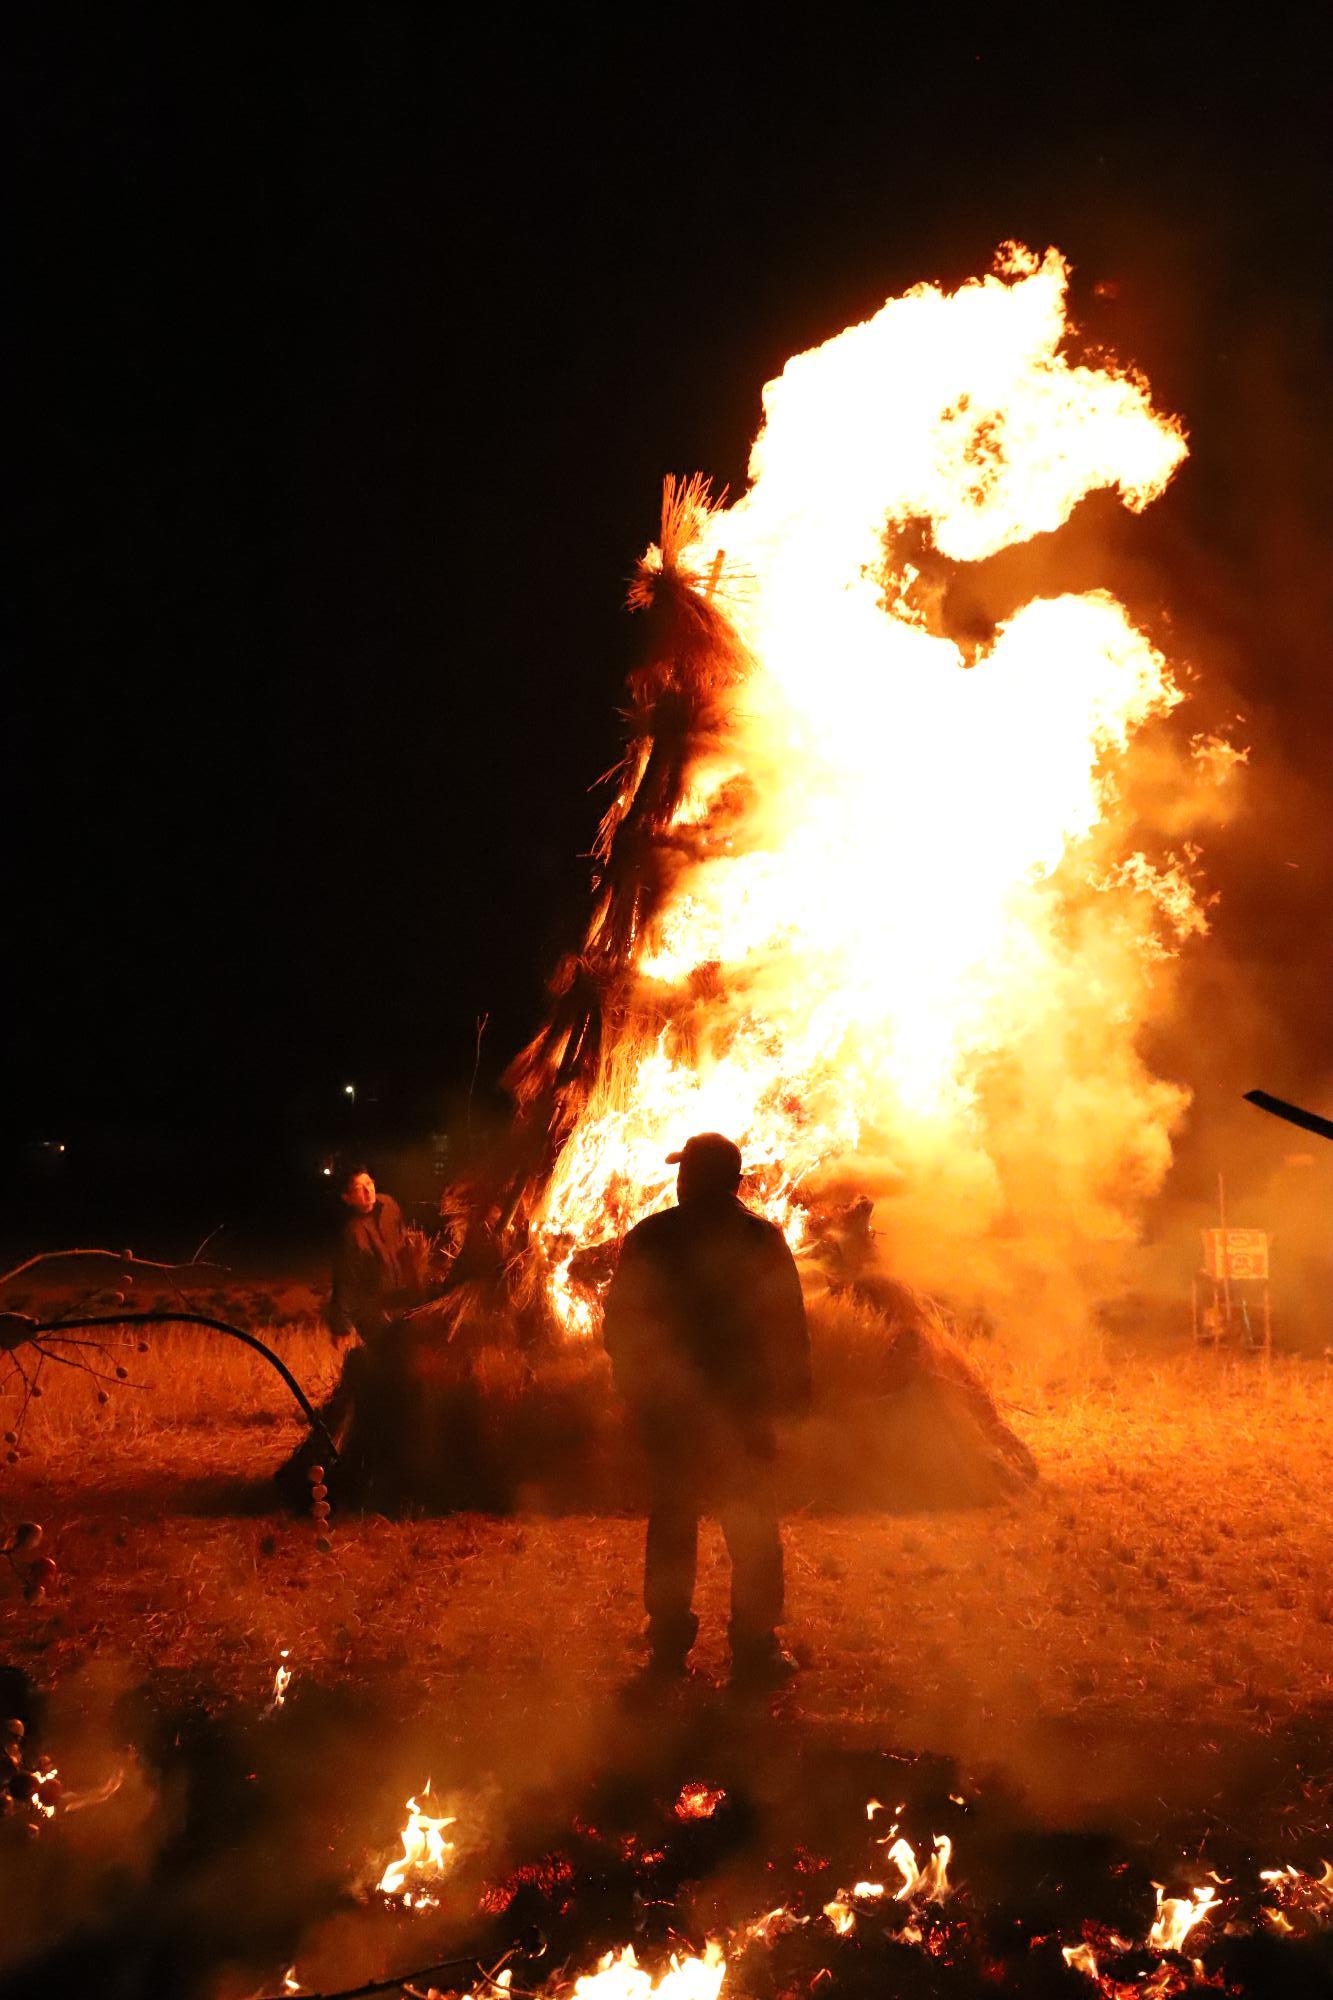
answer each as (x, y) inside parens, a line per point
(216, 1230)
(116, 1257)
(86, 1368)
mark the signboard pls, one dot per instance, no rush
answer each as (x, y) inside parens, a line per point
(1235, 1253)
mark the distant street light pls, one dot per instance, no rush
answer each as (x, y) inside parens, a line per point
(349, 1090)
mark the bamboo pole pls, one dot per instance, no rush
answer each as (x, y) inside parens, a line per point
(1226, 1261)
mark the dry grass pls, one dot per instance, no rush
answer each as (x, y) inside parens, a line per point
(1153, 1623)
(177, 1379)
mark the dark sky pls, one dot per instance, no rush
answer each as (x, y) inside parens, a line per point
(353, 345)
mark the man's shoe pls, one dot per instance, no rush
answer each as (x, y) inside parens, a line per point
(667, 1667)
(762, 1669)
(659, 1674)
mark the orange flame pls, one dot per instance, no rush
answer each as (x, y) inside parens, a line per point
(282, 1680)
(424, 1860)
(1177, 1916)
(1303, 1902)
(921, 929)
(1080, 1958)
(698, 1800)
(928, 1884)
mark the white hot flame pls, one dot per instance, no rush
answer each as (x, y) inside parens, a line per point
(1177, 1916)
(923, 1885)
(424, 1859)
(619, 1976)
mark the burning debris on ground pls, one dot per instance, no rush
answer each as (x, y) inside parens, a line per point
(956, 1893)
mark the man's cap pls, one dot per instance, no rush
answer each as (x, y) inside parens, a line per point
(721, 1155)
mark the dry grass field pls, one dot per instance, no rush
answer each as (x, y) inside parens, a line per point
(1148, 1632)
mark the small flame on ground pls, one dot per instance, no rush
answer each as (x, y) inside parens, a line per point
(1177, 1916)
(290, 1982)
(282, 1680)
(619, 1976)
(763, 1929)
(923, 1885)
(1080, 1958)
(919, 1885)
(424, 1859)
(1308, 1899)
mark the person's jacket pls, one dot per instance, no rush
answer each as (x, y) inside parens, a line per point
(705, 1312)
(368, 1270)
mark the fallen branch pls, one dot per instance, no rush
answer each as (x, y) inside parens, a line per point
(405, 1980)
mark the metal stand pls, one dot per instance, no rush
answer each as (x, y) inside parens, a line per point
(1234, 1277)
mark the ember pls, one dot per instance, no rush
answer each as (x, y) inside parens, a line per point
(698, 1801)
(547, 1876)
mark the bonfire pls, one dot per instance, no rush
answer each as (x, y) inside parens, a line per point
(874, 892)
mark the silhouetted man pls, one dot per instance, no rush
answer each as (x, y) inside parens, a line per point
(705, 1326)
(369, 1291)
(368, 1265)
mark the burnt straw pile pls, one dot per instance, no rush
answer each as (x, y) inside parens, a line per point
(901, 1421)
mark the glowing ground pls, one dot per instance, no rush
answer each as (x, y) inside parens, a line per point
(1146, 1633)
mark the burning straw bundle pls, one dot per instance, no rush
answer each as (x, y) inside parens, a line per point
(675, 714)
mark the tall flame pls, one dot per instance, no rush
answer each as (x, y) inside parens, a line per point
(915, 935)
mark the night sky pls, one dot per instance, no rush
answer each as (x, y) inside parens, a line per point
(352, 348)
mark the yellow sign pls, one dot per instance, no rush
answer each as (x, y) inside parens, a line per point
(1235, 1253)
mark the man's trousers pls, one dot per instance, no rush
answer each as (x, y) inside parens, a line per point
(731, 1478)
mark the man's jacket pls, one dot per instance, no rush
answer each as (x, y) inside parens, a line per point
(705, 1314)
(368, 1270)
